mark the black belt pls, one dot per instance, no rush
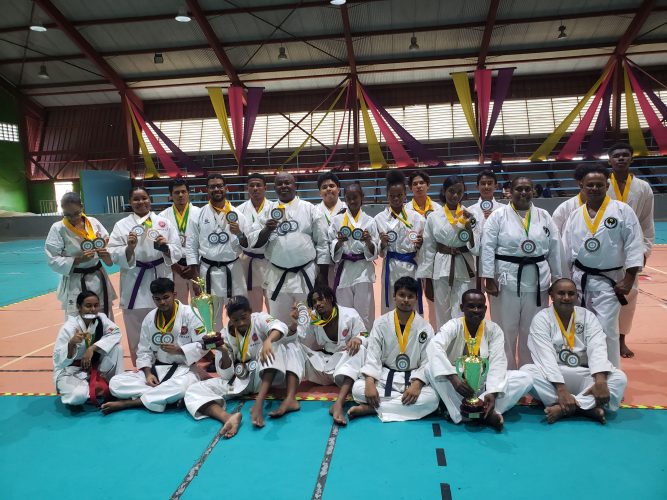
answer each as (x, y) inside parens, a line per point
(169, 374)
(90, 270)
(285, 270)
(390, 381)
(219, 264)
(525, 261)
(598, 272)
(183, 262)
(454, 251)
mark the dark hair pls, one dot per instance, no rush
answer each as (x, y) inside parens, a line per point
(580, 171)
(162, 285)
(407, 283)
(419, 173)
(450, 181)
(472, 291)
(327, 176)
(596, 168)
(355, 185)
(256, 176)
(507, 185)
(215, 176)
(71, 197)
(394, 178)
(323, 291)
(84, 295)
(173, 184)
(237, 303)
(516, 179)
(487, 173)
(558, 281)
(138, 188)
(620, 145)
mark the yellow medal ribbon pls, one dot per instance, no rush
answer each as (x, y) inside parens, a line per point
(402, 335)
(626, 191)
(428, 206)
(87, 234)
(581, 202)
(525, 221)
(243, 346)
(346, 220)
(182, 218)
(568, 334)
(161, 322)
(315, 320)
(457, 217)
(593, 225)
(478, 336)
(402, 217)
(223, 210)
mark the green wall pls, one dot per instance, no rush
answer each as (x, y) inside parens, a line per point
(44, 190)
(13, 186)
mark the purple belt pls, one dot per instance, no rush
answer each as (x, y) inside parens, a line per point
(352, 257)
(252, 256)
(137, 284)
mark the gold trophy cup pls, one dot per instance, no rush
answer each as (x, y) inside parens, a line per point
(206, 308)
(473, 369)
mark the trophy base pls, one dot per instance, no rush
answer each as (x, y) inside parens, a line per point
(472, 408)
(211, 340)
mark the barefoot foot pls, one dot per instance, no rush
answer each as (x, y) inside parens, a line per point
(495, 420)
(360, 411)
(288, 405)
(231, 427)
(256, 415)
(554, 413)
(596, 414)
(336, 411)
(626, 352)
(123, 404)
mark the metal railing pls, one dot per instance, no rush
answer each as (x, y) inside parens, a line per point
(48, 207)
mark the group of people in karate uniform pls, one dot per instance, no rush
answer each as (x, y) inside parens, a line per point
(561, 289)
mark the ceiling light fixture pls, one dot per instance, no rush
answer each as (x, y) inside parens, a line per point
(413, 44)
(282, 55)
(38, 27)
(157, 58)
(43, 74)
(337, 3)
(561, 30)
(183, 16)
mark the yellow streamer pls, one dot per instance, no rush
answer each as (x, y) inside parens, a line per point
(218, 102)
(635, 135)
(465, 98)
(374, 151)
(151, 171)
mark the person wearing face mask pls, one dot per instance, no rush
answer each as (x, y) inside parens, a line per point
(520, 256)
(76, 248)
(144, 245)
(87, 353)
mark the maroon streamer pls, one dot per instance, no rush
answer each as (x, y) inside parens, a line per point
(254, 97)
(500, 91)
(596, 142)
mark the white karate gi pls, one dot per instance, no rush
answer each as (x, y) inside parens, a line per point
(563, 211)
(477, 212)
(504, 234)
(158, 266)
(401, 248)
(187, 332)
(229, 386)
(71, 382)
(328, 215)
(448, 345)
(546, 341)
(182, 287)
(621, 245)
(436, 265)
(381, 352)
(355, 286)
(62, 246)
(640, 199)
(327, 361)
(253, 260)
(296, 253)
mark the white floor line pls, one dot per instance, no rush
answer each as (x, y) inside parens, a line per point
(654, 269)
(25, 356)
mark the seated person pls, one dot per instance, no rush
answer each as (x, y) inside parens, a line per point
(503, 388)
(248, 362)
(87, 353)
(571, 371)
(332, 345)
(393, 380)
(169, 347)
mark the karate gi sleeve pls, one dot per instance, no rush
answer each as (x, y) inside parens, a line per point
(439, 365)
(308, 337)
(268, 323)
(428, 249)
(542, 350)
(420, 373)
(496, 379)
(381, 252)
(110, 337)
(320, 237)
(489, 245)
(646, 221)
(117, 245)
(145, 354)
(60, 359)
(358, 329)
(332, 237)
(375, 239)
(373, 364)
(596, 345)
(555, 258)
(567, 243)
(227, 373)
(192, 242)
(633, 240)
(245, 228)
(194, 351)
(54, 247)
(476, 248)
(174, 243)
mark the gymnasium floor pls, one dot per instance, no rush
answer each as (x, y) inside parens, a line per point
(49, 451)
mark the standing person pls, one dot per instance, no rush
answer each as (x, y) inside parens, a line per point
(215, 240)
(87, 353)
(605, 251)
(178, 215)
(76, 248)
(563, 211)
(256, 210)
(331, 205)
(520, 256)
(447, 265)
(571, 373)
(393, 382)
(144, 245)
(401, 238)
(638, 194)
(354, 244)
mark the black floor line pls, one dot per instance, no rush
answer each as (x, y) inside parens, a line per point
(445, 491)
(326, 461)
(440, 456)
(437, 430)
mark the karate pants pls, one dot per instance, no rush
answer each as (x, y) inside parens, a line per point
(514, 314)
(282, 306)
(607, 309)
(72, 383)
(183, 289)
(518, 384)
(361, 298)
(133, 318)
(327, 369)
(577, 380)
(628, 312)
(132, 385)
(391, 408)
(448, 300)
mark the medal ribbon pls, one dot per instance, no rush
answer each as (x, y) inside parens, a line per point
(457, 217)
(346, 220)
(478, 336)
(87, 234)
(243, 346)
(88, 331)
(402, 217)
(223, 210)
(579, 200)
(621, 197)
(427, 206)
(161, 322)
(525, 221)
(315, 320)
(182, 219)
(258, 211)
(403, 335)
(595, 223)
(568, 334)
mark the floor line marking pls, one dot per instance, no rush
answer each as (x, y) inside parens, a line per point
(31, 331)
(440, 457)
(25, 356)
(654, 269)
(326, 462)
(445, 491)
(194, 470)
(437, 430)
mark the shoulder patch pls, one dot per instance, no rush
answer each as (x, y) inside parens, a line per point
(184, 330)
(345, 332)
(364, 334)
(423, 337)
(546, 231)
(579, 328)
(255, 337)
(610, 222)
(473, 222)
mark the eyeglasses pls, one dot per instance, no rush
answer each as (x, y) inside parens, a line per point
(216, 187)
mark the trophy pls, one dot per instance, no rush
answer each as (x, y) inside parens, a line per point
(205, 307)
(473, 369)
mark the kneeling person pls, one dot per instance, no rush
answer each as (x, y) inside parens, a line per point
(248, 362)
(571, 371)
(396, 363)
(332, 344)
(169, 344)
(503, 388)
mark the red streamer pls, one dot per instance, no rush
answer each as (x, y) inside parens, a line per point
(483, 90)
(169, 164)
(657, 128)
(236, 97)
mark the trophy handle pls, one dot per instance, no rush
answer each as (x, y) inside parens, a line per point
(486, 366)
(459, 367)
(195, 311)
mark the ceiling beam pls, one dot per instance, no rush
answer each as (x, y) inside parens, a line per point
(214, 42)
(28, 105)
(348, 39)
(87, 49)
(633, 29)
(488, 31)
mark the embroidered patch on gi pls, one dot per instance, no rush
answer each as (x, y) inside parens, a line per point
(579, 328)
(110, 329)
(206, 221)
(423, 337)
(610, 222)
(546, 231)
(199, 330)
(345, 332)
(473, 222)
(364, 334)
(162, 223)
(270, 319)
(254, 337)
(184, 330)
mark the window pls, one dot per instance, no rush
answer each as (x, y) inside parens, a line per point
(9, 132)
